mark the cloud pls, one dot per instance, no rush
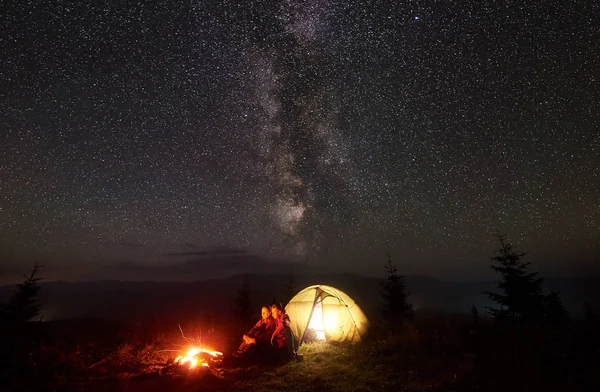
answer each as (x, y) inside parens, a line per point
(123, 244)
(215, 263)
(187, 254)
(216, 251)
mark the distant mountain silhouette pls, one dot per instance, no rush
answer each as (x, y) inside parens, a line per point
(132, 300)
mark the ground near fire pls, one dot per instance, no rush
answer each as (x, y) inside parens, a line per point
(526, 341)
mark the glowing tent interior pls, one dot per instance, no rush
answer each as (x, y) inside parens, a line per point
(322, 312)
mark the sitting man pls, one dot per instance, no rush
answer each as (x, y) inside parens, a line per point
(259, 334)
(283, 338)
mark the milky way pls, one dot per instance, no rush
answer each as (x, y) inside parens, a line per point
(325, 132)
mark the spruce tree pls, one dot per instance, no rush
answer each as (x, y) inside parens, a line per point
(396, 307)
(555, 312)
(243, 311)
(475, 314)
(289, 290)
(20, 340)
(520, 296)
(589, 315)
(24, 304)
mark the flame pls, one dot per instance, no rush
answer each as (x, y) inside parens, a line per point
(192, 357)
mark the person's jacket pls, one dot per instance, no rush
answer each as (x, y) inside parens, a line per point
(262, 330)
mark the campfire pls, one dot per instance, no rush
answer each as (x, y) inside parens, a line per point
(198, 357)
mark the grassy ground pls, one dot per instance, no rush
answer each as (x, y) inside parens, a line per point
(373, 366)
(432, 355)
(341, 367)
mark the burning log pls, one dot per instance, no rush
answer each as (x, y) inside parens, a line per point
(195, 357)
(199, 357)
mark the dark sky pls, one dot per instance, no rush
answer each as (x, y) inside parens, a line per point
(151, 134)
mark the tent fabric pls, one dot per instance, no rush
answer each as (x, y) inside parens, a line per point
(342, 318)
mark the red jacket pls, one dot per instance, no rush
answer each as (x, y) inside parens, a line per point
(279, 334)
(262, 330)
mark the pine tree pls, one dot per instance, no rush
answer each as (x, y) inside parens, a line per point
(475, 314)
(395, 307)
(589, 315)
(520, 296)
(242, 304)
(555, 312)
(24, 304)
(289, 290)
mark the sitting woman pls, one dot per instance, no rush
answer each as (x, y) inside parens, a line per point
(283, 338)
(259, 334)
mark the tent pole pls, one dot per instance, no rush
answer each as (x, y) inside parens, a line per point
(350, 312)
(318, 293)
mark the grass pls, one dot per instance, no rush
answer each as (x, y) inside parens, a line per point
(327, 367)
(396, 363)
(433, 355)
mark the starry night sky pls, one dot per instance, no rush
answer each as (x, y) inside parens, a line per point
(320, 132)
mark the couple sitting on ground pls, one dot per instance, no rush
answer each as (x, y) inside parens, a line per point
(271, 334)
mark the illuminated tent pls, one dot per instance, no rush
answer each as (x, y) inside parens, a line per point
(325, 313)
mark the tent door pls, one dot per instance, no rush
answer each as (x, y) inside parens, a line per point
(316, 321)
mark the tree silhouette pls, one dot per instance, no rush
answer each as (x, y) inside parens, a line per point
(555, 312)
(20, 339)
(521, 296)
(24, 304)
(289, 290)
(588, 313)
(396, 307)
(475, 314)
(242, 304)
